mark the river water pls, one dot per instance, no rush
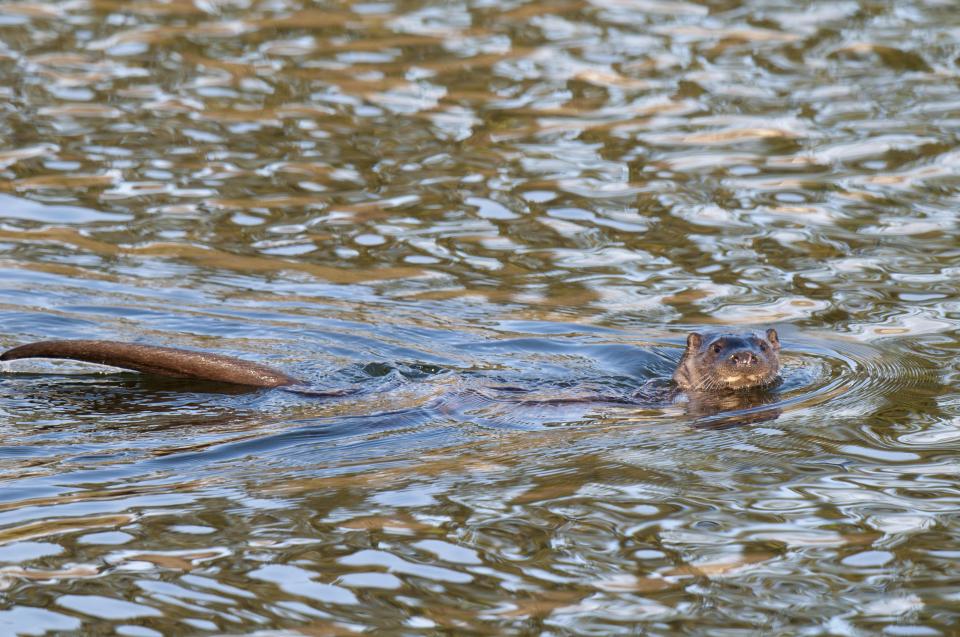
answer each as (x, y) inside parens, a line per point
(484, 215)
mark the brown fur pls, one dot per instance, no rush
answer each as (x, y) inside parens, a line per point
(163, 361)
(728, 361)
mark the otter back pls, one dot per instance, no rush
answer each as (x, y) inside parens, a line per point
(163, 361)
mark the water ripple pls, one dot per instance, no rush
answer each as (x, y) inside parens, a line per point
(486, 218)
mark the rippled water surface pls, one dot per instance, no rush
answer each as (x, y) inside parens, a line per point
(496, 220)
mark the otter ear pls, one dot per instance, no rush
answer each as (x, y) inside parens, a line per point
(694, 341)
(774, 339)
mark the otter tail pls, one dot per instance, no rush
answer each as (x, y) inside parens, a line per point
(162, 361)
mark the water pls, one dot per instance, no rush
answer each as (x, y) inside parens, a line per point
(444, 203)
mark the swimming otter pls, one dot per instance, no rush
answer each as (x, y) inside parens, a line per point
(714, 362)
(710, 363)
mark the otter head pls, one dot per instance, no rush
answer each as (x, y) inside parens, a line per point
(716, 362)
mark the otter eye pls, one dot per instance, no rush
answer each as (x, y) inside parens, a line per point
(763, 347)
(717, 347)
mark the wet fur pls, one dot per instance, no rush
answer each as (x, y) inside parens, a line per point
(706, 363)
(162, 361)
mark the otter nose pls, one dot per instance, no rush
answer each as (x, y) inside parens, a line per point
(743, 358)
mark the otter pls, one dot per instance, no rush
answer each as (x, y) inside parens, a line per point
(711, 362)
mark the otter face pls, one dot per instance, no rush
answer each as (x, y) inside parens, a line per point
(714, 362)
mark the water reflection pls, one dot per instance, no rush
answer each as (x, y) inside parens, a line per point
(436, 202)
